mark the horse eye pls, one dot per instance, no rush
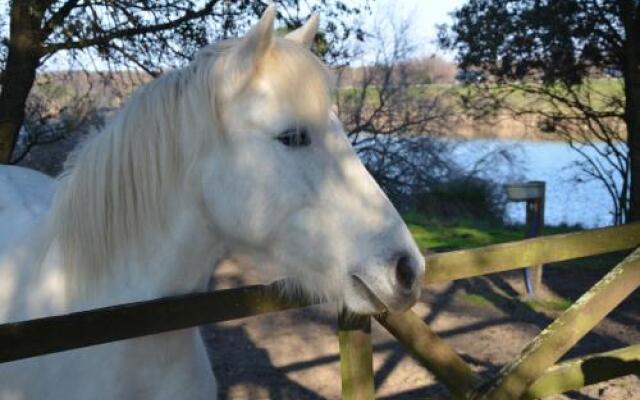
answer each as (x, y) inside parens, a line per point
(294, 137)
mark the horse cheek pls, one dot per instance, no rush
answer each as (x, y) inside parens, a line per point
(239, 201)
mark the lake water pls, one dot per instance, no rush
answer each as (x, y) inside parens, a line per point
(567, 201)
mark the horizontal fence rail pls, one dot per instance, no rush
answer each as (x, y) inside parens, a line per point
(86, 328)
(461, 264)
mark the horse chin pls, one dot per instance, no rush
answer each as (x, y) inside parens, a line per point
(361, 298)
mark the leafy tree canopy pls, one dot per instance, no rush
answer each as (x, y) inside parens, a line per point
(557, 40)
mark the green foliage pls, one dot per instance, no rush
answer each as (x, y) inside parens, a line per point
(556, 40)
(462, 198)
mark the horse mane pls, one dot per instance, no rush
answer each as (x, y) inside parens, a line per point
(116, 188)
(115, 185)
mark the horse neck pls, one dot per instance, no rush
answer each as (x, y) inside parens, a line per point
(175, 261)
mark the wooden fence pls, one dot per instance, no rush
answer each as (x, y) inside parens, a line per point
(533, 374)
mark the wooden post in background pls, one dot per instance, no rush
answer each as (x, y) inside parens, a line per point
(535, 225)
(533, 193)
(356, 357)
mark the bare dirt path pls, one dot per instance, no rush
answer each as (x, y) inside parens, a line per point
(294, 354)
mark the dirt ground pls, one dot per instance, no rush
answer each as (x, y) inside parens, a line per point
(294, 354)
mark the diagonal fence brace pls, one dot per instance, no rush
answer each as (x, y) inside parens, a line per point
(578, 373)
(554, 341)
(431, 351)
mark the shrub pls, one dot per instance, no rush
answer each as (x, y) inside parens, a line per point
(462, 198)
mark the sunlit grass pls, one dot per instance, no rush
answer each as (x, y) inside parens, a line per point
(554, 304)
(598, 92)
(436, 235)
(481, 300)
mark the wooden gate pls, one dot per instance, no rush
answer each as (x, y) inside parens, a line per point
(533, 374)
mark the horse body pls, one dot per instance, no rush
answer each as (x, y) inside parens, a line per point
(25, 196)
(237, 154)
(33, 284)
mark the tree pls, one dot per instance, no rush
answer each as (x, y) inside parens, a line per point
(398, 128)
(549, 53)
(387, 118)
(61, 108)
(146, 34)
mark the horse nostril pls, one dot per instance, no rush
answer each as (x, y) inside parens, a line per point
(405, 273)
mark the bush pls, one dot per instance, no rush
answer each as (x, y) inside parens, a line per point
(462, 198)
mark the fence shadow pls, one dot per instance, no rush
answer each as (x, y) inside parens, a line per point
(249, 373)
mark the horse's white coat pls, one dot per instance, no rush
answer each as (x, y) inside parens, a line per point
(187, 174)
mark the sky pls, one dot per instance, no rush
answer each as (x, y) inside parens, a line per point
(423, 16)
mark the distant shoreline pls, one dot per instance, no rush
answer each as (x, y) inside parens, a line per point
(503, 127)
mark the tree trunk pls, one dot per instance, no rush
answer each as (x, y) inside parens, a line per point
(630, 14)
(632, 117)
(23, 60)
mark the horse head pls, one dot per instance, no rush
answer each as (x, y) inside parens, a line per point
(283, 183)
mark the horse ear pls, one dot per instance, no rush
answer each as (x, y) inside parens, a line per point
(237, 68)
(254, 45)
(306, 33)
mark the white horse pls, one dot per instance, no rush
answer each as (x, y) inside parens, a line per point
(238, 153)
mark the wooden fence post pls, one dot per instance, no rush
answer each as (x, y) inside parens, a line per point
(356, 357)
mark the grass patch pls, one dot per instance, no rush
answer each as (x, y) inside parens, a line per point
(436, 235)
(478, 300)
(595, 91)
(556, 304)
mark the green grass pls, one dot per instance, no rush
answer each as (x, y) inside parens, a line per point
(597, 92)
(436, 235)
(555, 304)
(483, 300)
